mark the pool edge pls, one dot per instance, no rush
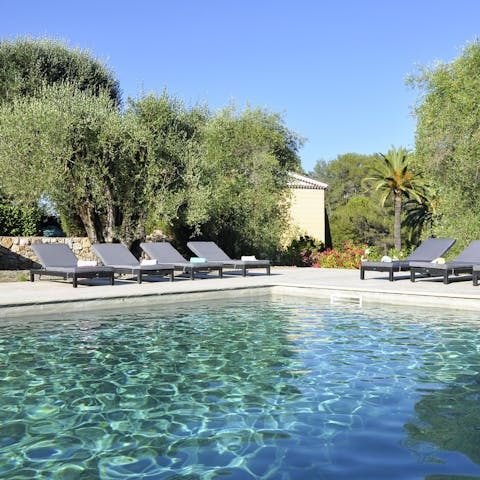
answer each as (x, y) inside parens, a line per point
(366, 295)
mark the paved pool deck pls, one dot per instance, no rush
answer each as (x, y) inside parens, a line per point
(56, 296)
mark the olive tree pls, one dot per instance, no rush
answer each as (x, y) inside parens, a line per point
(117, 173)
(81, 152)
(448, 141)
(27, 66)
(241, 187)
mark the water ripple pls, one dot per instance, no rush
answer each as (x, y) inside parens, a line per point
(266, 390)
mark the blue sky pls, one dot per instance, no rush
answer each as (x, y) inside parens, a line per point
(335, 69)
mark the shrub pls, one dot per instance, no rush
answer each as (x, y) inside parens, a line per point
(18, 221)
(301, 252)
(375, 253)
(348, 257)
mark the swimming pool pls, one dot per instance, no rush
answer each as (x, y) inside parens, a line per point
(264, 389)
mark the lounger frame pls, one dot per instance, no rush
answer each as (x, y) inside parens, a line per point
(143, 271)
(475, 275)
(75, 273)
(450, 268)
(390, 267)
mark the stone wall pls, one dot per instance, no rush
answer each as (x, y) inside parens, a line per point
(16, 252)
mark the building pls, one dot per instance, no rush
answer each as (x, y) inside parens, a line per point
(307, 209)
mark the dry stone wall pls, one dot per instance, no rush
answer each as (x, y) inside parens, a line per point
(16, 252)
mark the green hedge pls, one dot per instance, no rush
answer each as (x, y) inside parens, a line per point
(19, 222)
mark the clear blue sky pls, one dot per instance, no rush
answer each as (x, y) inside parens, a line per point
(334, 69)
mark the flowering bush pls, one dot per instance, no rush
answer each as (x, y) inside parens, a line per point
(348, 257)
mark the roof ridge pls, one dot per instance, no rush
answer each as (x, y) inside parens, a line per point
(302, 181)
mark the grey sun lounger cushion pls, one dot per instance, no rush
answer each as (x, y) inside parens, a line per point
(213, 253)
(463, 263)
(166, 254)
(58, 260)
(428, 250)
(119, 257)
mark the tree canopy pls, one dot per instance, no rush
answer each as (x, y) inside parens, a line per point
(118, 173)
(26, 64)
(394, 177)
(448, 141)
(77, 149)
(362, 220)
(344, 176)
(244, 169)
(354, 209)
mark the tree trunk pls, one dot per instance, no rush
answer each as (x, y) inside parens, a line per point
(110, 218)
(91, 223)
(397, 229)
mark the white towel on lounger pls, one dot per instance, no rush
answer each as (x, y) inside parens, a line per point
(148, 261)
(86, 263)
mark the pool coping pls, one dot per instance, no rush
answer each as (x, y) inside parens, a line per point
(24, 298)
(380, 296)
(127, 301)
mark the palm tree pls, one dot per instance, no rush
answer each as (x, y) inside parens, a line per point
(395, 178)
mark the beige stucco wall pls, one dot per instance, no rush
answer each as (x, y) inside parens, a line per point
(307, 213)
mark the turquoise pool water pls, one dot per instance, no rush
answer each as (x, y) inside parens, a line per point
(264, 389)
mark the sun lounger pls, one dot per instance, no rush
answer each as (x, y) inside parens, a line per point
(463, 263)
(213, 253)
(118, 257)
(166, 254)
(58, 260)
(429, 250)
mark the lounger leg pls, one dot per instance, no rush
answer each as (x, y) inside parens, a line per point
(362, 274)
(390, 275)
(172, 275)
(32, 277)
(192, 274)
(220, 272)
(74, 278)
(412, 275)
(244, 271)
(475, 279)
(139, 277)
(445, 278)
(268, 270)
(112, 280)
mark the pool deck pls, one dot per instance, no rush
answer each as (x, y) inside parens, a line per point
(56, 296)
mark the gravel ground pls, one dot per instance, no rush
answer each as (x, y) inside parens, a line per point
(14, 275)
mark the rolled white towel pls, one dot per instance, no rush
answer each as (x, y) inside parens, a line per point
(86, 263)
(439, 260)
(386, 258)
(148, 261)
(248, 258)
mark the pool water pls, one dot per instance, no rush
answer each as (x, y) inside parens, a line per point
(262, 389)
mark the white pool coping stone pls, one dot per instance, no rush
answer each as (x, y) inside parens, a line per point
(57, 296)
